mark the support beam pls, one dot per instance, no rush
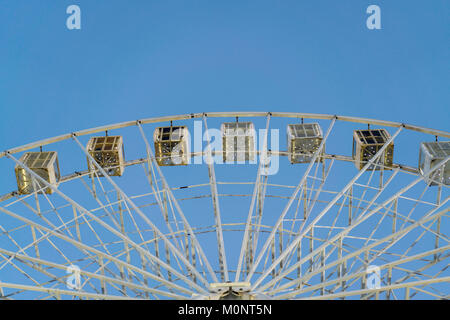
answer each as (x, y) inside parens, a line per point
(429, 216)
(295, 242)
(362, 219)
(245, 240)
(381, 289)
(183, 217)
(101, 222)
(286, 209)
(215, 200)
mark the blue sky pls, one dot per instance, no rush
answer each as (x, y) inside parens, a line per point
(140, 59)
(147, 58)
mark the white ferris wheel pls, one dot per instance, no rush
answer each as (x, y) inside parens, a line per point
(228, 205)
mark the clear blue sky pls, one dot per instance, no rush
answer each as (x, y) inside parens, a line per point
(140, 59)
(135, 59)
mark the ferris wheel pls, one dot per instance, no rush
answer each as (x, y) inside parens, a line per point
(228, 205)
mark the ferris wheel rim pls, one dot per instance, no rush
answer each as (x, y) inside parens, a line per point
(249, 114)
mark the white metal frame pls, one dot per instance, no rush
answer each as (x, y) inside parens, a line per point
(332, 267)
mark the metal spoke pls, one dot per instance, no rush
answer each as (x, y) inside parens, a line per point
(180, 212)
(398, 234)
(295, 242)
(106, 226)
(215, 199)
(252, 204)
(291, 200)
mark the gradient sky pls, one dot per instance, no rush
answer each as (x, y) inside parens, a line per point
(156, 58)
